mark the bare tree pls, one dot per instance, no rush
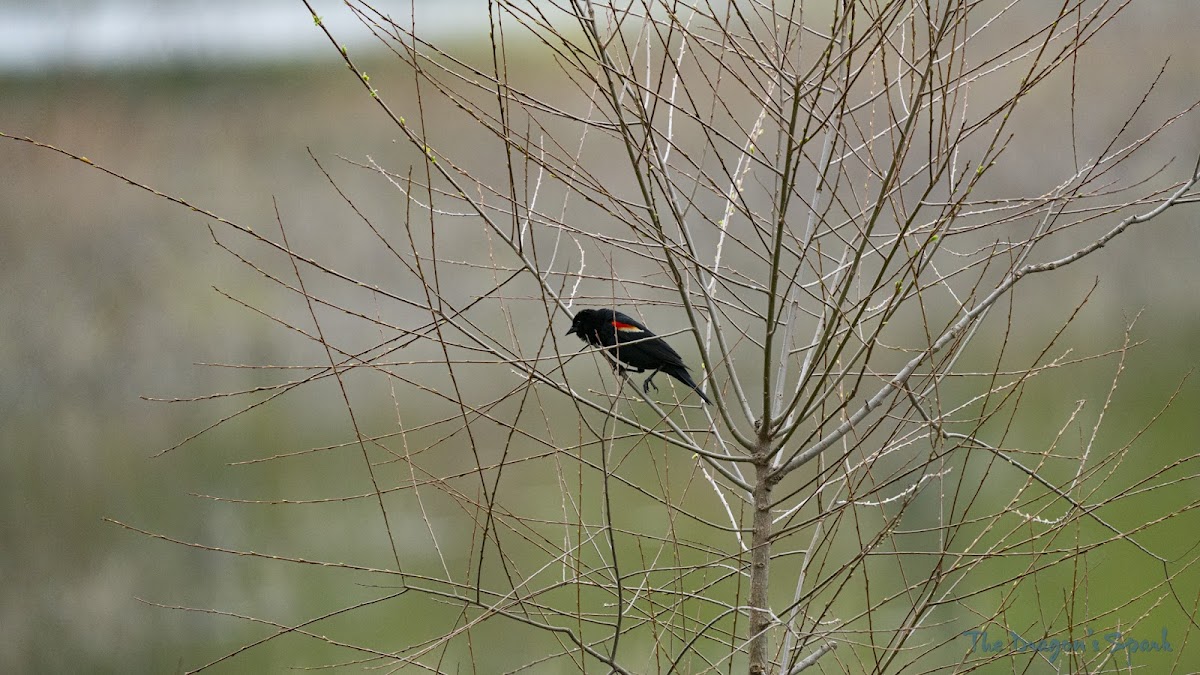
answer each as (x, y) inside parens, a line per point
(803, 203)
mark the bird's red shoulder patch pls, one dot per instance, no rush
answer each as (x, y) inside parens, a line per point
(626, 327)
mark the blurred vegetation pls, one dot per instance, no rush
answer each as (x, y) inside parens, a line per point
(108, 297)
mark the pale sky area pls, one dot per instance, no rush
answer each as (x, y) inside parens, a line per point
(41, 36)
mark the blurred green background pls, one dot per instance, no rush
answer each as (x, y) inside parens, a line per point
(108, 297)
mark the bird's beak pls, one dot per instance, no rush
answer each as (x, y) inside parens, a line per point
(572, 331)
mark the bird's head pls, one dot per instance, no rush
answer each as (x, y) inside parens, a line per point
(585, 323)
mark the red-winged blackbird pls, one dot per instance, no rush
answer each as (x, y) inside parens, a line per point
(632, 344)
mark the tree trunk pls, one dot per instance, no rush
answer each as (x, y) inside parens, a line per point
(760, 567)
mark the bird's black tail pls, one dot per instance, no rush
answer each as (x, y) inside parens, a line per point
(681, 373)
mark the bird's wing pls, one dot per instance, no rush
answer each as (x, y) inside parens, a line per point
(629, 329)
(624, 322)
(659, 350)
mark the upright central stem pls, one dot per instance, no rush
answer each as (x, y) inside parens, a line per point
(760, 567)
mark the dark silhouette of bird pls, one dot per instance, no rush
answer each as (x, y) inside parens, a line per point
(631, 343)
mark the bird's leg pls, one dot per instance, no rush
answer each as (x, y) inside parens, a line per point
(649, 382)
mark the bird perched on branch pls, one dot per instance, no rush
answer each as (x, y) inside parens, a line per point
(632, 344)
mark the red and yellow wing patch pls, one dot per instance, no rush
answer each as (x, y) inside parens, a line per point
(628, 328)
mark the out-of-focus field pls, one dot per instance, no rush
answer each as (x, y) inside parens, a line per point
(108, 296)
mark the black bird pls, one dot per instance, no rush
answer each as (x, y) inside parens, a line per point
(632, 344)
